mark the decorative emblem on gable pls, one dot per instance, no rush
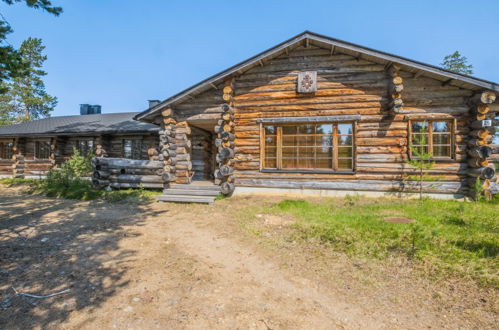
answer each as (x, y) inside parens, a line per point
(307, 82)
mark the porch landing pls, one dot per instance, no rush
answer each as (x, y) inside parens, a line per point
(195, 192)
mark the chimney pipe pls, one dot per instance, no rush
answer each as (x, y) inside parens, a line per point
(153, 103)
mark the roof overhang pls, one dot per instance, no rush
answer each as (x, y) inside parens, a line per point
(310, 38)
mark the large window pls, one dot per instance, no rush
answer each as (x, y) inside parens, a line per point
(132, 149)
(6, 150)
(42, 149)
(85, 147)
(308, 147)
(432, 136)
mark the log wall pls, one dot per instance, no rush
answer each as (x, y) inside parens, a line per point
(25, 163)
(346, 86)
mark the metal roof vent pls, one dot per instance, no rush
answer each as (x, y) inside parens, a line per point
(87, 109)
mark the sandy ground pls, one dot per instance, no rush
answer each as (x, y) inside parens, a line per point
(196, 266)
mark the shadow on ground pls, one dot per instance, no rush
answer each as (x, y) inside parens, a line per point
(49, 245)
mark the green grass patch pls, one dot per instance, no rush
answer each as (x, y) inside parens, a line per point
(16, 181)
(446, 238)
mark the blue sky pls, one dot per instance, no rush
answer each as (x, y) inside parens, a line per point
(120, 53)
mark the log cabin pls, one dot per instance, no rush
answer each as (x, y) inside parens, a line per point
(311, 115)
(30, 149)
(320, 115)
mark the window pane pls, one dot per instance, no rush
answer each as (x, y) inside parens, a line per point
(418, 139)
(324, 141)
(289, 141)
(127, 148)
(345, 140)
(441, 138)
(306, 129)
(345, 152)
(42, 149)
(440, 126)
(441, 151)
(307, 163)
(324, 129)
(270, 141)
(270, 152)
(421, 149)
(345, 164)
(289, 130)
(324, 152)
(345, 129)
(288, 163)
(270, 130)
(303, 141)
(306, 152)
(323, 163)
(289, 152)
(420, 126)
(270, 163)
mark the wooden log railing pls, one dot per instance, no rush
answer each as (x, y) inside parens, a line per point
(225, 142)
(482, 128)
(127, 173)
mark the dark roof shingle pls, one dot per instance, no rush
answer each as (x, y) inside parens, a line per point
(83, 124)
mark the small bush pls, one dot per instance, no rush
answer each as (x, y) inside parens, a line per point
(68, 181)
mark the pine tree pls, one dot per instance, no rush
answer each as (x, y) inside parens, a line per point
(421, 160)
(26, 98)
(457, 63)
(11, 64)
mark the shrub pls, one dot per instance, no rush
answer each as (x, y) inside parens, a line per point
(68, 181)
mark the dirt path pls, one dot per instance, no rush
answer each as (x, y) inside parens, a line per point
(180, 266)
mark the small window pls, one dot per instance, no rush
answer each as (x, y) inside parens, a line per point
(85, 147)
(42, 150)
(132, 149)
(308, 147)
(6, 150)
(496, 135)
(434, 137)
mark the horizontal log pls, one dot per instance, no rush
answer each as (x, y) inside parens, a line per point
(123, 185)
(482, 172)
(486, 97)
(136, 178)
(127, 163)
(477, 162)
(480, 152)
(100, 183)
(357, 185)
(101, 174)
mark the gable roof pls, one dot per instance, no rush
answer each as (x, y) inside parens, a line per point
(79, 125)
(307, 38)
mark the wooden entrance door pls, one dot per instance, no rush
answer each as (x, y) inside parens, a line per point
(202, 154)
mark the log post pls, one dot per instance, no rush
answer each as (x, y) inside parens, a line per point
(53, 151)
(18, 158)
(167, 135)
(395, 88)
(224, 142)
(183, 164)
(100, 150)
(481, 129)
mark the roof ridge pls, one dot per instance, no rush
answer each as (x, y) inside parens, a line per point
(237, 68)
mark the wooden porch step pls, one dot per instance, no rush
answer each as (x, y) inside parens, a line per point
(186, 199)
(191, 192)
(194, 186)
(195, 192)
